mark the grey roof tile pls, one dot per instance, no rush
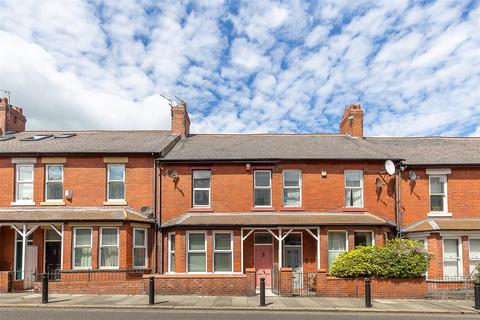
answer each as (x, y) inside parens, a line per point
(141, 141)
(202, 147)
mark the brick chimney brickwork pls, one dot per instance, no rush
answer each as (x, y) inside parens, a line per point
(352, 121)
(180, 120)
(11, 117)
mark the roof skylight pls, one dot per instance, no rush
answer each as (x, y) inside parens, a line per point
(64, 135)
(5, 138)
(37, 137)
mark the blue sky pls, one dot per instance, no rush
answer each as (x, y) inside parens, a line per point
(259, 66)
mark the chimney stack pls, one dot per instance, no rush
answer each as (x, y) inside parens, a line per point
(11, 117)
(180, 120)
(352, 121)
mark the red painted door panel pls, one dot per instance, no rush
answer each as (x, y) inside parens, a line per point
(264, 264)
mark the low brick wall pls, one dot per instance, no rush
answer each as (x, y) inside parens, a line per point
(328, 286)
(286, 282)
(126, 287)
(205, 284)
(5, 278)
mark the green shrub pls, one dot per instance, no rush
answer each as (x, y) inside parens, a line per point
(476, 274)
(399, 258)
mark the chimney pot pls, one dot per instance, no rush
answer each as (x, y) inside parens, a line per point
(180, 119)
(352, 121)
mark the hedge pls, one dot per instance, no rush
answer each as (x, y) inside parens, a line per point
(399, 258)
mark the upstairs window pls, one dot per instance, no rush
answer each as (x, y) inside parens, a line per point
(24, 183)
(438, 193)
(201, 188)
(54, 182)
(354, 188)
(116, 182)
(262, 188)
(292, 188)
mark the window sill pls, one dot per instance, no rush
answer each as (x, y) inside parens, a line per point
(351, 209)
(200, 209)
(292, 209)
(115, 203)
(52, 203)
(262, 209)
(16, 204)
(440, 214)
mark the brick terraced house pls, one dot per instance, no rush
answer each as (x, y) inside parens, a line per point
(214, 213)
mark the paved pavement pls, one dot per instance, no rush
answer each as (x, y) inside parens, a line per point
(299, 304)
(158, 314)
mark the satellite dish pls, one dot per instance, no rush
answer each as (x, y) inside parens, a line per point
(390, 167)
(171, 173)
(412, 175)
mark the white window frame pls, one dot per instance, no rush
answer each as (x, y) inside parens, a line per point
(123, 180)
(100, 246)
(445, 196)
(262, 187)
(345, 173)
(201, 189)
(47, 181)
(169, 250)
(222, 251)
(82, 246)
(364, 231)
(292, 187)
(470, 253)
(18, 182)
(328, 245)
(205, 251)
(286, 246)
(145, 246)
(460, 258)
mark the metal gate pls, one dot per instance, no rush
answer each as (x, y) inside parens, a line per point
(276, 281)
(304, 283)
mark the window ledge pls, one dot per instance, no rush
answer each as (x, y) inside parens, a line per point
(440, 214)
(22, 204)
(351, 209)
(292, 209)
(115, 203)
(200, 209)
(52, 203)
(262, 209)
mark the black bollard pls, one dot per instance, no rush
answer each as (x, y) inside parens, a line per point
(477, 296)
(45, 288)
(262, 292)
(368, 294)
(151, 290)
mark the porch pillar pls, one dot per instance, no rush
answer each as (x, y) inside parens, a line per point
(280, 248)
(24, 249)
(318, 248)
(60, 233)
(241, 250)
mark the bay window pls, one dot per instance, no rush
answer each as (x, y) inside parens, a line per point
(452, 258)
(353, 188)
(474, 252)
(363, 238)
(24, 183)
(82, 244)
(116, 182)
(197, 252)
(222, 252)
(171, 252)
(292, 188)
(109, 248)
(262, 185)
(54, 182)
(337, 244)
(201, 188)
(139, 248)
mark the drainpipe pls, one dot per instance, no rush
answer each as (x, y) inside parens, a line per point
(155, 247)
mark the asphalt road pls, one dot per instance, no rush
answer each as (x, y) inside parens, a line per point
(115, 314)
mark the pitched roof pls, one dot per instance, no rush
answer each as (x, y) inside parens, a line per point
(204, 147)
(141, 141)
(431, 150)
(443, 224)
(274, 219)
(32, 215)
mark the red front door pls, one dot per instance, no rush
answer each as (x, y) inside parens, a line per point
(264, 264)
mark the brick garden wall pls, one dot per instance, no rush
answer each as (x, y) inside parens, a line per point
(381, 288)
(205, 285)
(5, 281)
(126, 287)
